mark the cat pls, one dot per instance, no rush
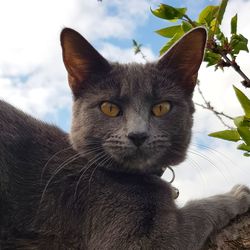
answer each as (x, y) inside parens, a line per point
(100, 187)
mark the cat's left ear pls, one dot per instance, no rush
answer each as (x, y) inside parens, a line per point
(182, 61)
(81, 59)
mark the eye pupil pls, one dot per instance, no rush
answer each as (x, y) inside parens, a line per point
(110, 109)
(161, 109)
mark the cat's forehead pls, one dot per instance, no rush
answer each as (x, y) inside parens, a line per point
(133, 82)
(142, 81)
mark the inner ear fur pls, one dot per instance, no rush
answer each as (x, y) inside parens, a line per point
(80, 58)
(184, 58)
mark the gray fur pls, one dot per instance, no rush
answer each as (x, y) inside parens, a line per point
(95, 189)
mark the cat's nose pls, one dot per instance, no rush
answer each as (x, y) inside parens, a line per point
(138, 138)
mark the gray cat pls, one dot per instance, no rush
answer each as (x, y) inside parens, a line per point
(100, 187)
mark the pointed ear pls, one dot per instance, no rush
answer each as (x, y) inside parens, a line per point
(80, 59)
(182, 61)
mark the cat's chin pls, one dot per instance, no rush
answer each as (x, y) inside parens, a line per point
(133, 170)
(137, 165)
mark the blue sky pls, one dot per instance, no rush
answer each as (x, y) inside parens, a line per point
(33, 78)
(146, 35)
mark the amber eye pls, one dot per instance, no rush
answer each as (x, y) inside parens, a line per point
(161, 109)
(110, 109)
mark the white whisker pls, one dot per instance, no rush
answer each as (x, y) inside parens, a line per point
(87, 167)
(106, 158)
(51, 158)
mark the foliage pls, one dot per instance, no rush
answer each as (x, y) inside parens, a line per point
(211, 17)
(242, 123)
(221, 52)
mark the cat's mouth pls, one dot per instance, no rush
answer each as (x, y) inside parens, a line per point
(137, 161)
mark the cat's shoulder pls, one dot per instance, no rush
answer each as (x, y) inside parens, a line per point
(14, 119)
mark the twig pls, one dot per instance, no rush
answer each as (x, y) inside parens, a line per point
(137, 50)
(218, 114)
(209, 107)
(189, 20)
(236, 67)
(143, 55)
(213, 47)
(228, 62)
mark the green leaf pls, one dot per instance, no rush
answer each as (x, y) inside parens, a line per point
(168, 12)
(244, 101)
(135, 44)
(242, 121)
(244, 147)
(221, 12)
(175, 38)
(238, 43)
(229, 135)
(245, 134)
(238, 121)
(247, 154)
(186, 26)
(211, 58)
(234, 22)
(217, 21)
(222, 39)
(169, 31)
(213, 27)
(137, 47)
(208, 14)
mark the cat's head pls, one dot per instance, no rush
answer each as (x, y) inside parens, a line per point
(132, 117)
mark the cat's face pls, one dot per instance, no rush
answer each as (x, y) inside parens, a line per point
(132, 117)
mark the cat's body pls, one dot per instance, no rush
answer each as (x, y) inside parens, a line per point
(106, 193)
(26, 146)
(136, 209)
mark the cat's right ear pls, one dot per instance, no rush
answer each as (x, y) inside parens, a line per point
(80, 59)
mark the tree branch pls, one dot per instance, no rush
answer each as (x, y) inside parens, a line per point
(207, 105)
(235, 236)
(213, 47)
(236, 67)
(188, 19)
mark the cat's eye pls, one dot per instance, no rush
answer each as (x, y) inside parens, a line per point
(110, 109)
(161, 109)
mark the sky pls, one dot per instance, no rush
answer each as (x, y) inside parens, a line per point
(33, 78)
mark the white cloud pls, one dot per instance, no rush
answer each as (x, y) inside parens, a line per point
(30, 47)
(107, 19)
(115, 53)
(213, 166)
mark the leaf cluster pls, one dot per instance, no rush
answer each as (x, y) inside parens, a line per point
(242, 131)
(211, 17)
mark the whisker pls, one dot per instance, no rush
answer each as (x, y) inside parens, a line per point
(219, 156)
(226, 160)
(207, 159)
(51, 158)
(67, 159)
(87, 167)
(106, 158)
(79, 155)
(198, 168)
(61, 166)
